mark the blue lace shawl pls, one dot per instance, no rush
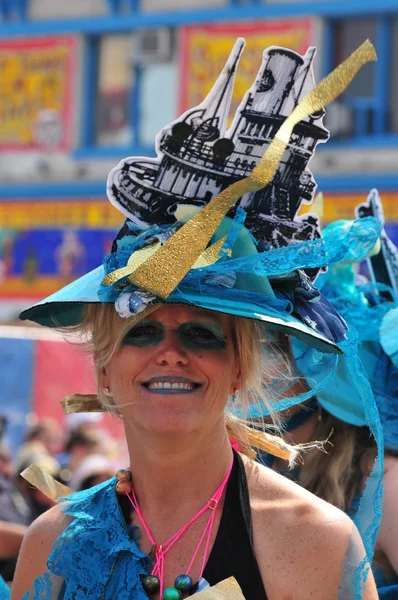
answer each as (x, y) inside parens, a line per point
(96, 556)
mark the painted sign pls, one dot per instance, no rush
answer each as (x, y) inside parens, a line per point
(45, 245)
(204, 50)
(36, 91)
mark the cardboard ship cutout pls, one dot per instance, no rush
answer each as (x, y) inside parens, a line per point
(383, 267)
(198, 156)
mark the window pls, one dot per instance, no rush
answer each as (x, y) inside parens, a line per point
(353, 113)
(132, 91)
(113, 126)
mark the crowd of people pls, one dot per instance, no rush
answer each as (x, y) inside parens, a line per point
(80, 455)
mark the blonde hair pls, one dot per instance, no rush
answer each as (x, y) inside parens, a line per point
(336, 476)
(103, 330)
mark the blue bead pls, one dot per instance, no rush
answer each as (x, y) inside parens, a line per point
(183, 583)
(171, 593)
(151, 584)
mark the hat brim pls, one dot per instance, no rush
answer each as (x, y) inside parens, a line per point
(65, 307)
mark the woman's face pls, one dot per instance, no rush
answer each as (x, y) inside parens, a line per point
(174, 370)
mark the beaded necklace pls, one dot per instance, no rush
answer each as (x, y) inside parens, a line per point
(183, 584)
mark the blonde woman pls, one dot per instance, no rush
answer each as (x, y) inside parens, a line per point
(176, 319)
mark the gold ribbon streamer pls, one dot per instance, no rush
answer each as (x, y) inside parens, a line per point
(163, 271)
(207, 258)
(78, 403)
(45, 483)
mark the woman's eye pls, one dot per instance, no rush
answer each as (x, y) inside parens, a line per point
(143, 331)
(200, 333)
(197, 336)
(144, 334)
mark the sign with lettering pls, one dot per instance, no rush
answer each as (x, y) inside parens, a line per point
(36, 93)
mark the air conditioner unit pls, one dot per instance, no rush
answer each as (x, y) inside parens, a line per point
(153, 46)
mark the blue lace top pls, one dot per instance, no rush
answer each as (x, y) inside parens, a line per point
(97, 556)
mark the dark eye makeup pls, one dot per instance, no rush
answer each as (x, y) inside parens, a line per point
(202, 336)
(194, 336)
(144, 334)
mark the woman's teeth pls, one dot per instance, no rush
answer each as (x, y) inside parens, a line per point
(166, 385)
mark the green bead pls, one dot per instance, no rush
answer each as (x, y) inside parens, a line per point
(183, 583)
(151, 584)
(171, 593)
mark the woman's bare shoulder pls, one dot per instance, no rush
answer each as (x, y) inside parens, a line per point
(36, 547)
(300, 541)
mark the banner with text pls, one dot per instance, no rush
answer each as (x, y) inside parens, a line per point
(36, 91)
(204, 51)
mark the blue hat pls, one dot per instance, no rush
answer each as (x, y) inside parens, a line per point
(371, 308)
(214, 220)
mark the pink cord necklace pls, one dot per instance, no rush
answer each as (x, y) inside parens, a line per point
(183, 583)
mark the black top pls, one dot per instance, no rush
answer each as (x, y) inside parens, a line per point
(232, 554)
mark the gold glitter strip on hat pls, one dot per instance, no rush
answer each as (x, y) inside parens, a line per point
(162, 272)
(209, 256)
(45, 483)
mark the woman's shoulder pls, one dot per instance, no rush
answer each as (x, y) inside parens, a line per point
(45, 534)
(273, 495)
(300, 541)
(36, 548)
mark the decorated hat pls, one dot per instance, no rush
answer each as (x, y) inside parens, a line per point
(371, 308)
(214, 221)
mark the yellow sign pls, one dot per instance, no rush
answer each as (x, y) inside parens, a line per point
(35, 92)
(205, 50)
(63, 214)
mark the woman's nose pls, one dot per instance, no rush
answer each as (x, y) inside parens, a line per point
(172, 352)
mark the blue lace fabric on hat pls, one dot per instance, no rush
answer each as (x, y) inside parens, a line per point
(279, 279)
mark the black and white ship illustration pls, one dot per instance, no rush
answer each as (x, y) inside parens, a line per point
(198, 156)
(383, 267)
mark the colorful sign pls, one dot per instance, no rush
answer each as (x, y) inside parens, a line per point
(36, 91)
(342, 206)
(45, 245)
(204, 51)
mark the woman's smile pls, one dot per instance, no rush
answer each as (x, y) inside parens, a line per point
(171, 385)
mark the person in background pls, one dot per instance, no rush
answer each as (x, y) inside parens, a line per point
(45, 436)
(340, 474)
(15, 516)
(92, 471)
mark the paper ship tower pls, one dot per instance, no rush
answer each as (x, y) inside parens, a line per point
(198, 156)
(383, 267)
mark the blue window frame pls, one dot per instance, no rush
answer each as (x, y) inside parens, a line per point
(363, 115)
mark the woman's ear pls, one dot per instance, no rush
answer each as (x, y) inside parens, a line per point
(104, 379)
(236, 383)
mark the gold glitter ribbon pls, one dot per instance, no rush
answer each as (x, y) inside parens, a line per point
(162, 272)
(45, 483)
(209, 256)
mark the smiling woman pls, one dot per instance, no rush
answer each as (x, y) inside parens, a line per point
(177, 319)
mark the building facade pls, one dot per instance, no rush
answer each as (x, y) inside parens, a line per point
(86, 83)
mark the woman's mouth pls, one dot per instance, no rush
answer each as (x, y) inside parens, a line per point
(171, 385)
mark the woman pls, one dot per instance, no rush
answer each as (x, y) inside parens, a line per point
(339, 476)
(178, 334)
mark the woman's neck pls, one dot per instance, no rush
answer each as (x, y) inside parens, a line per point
(177, 472)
